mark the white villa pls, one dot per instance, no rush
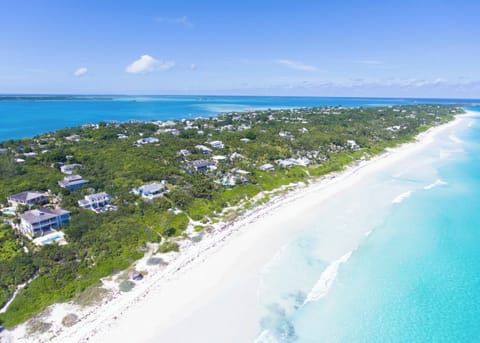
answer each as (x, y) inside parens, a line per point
(217, 144)
(95, 202)
(151, 190)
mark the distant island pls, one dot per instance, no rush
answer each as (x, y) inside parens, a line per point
(50, 98)
(84, 203)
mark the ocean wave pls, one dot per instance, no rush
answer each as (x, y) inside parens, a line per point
(328, 276)
(438, 182)
(455, 139)
(265, 337)
(400, 198)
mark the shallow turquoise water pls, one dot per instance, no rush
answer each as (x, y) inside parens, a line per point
(414, 278)
(19, 119)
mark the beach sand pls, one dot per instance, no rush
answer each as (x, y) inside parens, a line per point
(209, 292)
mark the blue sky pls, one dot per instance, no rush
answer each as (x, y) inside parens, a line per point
(327, 48)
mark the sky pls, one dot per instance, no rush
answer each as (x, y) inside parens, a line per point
(420, 48)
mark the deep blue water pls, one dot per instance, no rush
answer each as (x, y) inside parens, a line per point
(415, 277)
(19, 119)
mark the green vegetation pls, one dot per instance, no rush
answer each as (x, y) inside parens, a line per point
(324, 139)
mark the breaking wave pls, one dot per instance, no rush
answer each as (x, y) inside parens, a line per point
(400, 198)
(323, 285)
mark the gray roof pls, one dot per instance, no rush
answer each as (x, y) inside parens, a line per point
(151, 188)
(35, 216)
(25, 196)
(200, 163)
(72, 180)
(97, 196)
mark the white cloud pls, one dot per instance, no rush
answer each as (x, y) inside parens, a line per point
(148, 64)
(296, 65)
(184, 21)
(80, 71)
(193, 66)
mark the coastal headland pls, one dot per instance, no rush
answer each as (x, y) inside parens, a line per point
(221, 257)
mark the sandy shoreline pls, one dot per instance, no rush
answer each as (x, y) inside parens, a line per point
(169, 295)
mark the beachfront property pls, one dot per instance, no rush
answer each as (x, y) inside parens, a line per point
(69, 168)
(98, 202)
(217, 144)
(285, 163)
(151, 190)
(184, 153)
(72, 182)
(303, 130)
(235, 156)
(245, 140)
(286, 134)
(35, 223)
(174, 132)
(230, 180)
(200, 165)
(352, 144)
(121, 136)
(147, 140)
(3, 150)
(27, 199)
(267, 167)
(203, 149)
(73, 138)
(219, 158)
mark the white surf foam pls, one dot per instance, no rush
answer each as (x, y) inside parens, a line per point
(439, 182)
(455, 139)
(265, 337)
(328, 276)
(400, 198)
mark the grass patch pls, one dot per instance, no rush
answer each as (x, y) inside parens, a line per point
(168, 247)
(91, 296)
(70, 320)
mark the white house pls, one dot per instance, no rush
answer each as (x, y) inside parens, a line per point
(203, 149)
(217, 144)
(150, 191)
(95, 201)
(68, 168)
(147, 140)
(267, 167)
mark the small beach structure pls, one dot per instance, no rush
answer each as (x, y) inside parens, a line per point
(72, 182)
(27, 199)
(136, 276)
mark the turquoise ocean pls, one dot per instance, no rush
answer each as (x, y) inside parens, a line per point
(413, 274)
(28, 116)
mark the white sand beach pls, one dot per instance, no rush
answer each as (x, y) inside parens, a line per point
(208, 292)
